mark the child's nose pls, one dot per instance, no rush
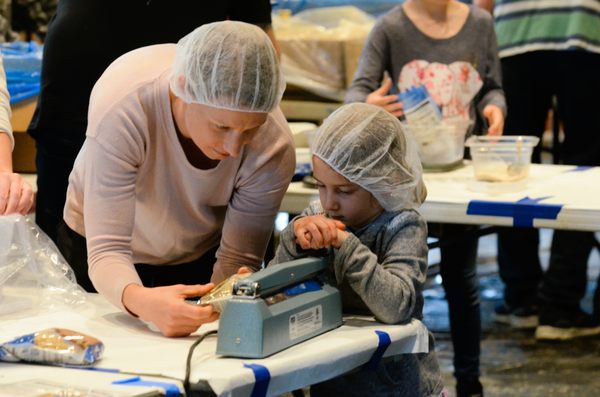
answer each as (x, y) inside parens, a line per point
(331, 203)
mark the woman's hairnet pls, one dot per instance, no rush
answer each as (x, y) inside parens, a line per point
(371, 148)
(229, 65)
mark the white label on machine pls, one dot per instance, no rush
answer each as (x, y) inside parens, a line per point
(306, 321)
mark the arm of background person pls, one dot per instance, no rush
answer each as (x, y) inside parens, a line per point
(485, 4)
(371, 66)
(16, 195)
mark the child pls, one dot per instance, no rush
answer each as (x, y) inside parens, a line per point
(369, 179)
(450, 49)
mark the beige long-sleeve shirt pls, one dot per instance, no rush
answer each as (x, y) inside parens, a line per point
(136, 198)
(5, 111)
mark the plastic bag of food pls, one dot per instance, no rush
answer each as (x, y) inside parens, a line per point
(221, 293)
(53, 346)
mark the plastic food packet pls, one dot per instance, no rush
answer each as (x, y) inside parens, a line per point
(53, 346)
(221, 293)
(419, 107)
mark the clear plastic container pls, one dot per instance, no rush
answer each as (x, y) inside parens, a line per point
(501, 158)
(441, 146)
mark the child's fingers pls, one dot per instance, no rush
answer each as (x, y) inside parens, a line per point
(338, 224)
(316, 236)
(385, 87)
(395, 108)
(303, 239)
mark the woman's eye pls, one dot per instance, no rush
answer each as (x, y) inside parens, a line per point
(222, 127)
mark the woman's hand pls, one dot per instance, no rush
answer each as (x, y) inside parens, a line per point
(166, 308)
(380, 98)
(318, 231)
(495, 118)
(16, 195)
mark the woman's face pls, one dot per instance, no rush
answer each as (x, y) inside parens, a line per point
(218, 133)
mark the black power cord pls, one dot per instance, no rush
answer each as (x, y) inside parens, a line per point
(188, 361)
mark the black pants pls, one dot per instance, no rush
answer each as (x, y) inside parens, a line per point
(458, 268)
(530, 81)
(73, 248)
(54, 162)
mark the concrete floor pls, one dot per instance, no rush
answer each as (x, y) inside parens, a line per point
(513, 363)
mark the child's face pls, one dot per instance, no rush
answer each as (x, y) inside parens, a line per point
(219, 133)
(342, 199)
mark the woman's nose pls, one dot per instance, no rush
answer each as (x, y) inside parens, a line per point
(234, 143)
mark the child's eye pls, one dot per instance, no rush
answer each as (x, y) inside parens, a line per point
(222, 127)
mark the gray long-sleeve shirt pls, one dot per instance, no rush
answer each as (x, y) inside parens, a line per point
(395, 42)
(380, 269)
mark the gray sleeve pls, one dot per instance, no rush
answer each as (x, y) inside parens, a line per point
(287, 249)
(392, 285)
(492, 92)
(369, 73)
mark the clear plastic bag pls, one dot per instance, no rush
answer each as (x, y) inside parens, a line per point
(321, 47)
(33, 274)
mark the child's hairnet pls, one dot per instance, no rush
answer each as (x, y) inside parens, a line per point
(229, 65)
(371, 148)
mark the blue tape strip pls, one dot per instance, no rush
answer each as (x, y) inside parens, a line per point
(580, 168)
(262, 377)
(523, 211)
(384, 342)
(170, 389)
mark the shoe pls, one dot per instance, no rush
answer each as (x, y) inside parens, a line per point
(576, 325)
(469, 388)
(521, 317)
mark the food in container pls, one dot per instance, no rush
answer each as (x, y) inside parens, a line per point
(441, 146)
(501, 158)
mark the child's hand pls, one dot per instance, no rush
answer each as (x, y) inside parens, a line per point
(380, 98)
(495, 119)
(317, 231)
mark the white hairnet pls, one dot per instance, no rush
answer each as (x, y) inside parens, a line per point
(229, 65)
(369, 147)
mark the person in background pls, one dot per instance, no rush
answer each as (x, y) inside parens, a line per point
(186, 159)
(450, 48)
(550, 50)
(369, 179)
(83, 38)
(16, 195)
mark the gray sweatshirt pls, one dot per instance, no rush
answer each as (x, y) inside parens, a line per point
(380, 269)
(395, 41)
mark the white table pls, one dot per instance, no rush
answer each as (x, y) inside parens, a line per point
(130, 346)
(553, 196)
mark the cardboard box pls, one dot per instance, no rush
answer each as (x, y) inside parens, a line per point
(24, 151)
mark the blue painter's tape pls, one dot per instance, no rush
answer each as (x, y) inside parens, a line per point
(384, 342)
(170, 389)
(580, 168)
(523, 212)
(262, 377)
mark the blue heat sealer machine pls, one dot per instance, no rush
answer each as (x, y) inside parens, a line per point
(278, 307)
